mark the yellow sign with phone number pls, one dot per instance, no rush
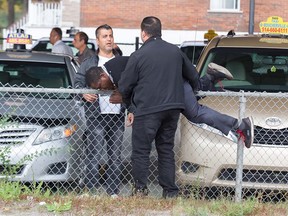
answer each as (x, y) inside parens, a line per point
(274, 25)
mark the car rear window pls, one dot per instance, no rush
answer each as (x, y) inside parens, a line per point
(193, 52)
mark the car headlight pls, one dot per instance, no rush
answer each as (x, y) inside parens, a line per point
(55, 133)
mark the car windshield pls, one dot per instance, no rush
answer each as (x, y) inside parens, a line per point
(253, 69)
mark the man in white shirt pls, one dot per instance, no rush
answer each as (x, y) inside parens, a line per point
(104, 121)
(58, 45)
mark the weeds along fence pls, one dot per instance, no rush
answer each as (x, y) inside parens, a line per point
(43, 139)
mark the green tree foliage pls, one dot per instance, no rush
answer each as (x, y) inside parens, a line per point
(10, 10)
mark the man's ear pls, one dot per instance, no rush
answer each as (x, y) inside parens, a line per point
(103, 75)
(143, 34)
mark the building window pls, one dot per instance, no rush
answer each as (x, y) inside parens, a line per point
(225, 5)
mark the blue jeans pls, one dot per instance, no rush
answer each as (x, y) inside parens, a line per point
(109, 128)
(160, 126)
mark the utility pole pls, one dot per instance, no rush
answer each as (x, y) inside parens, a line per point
(251, 16)
(11, 12)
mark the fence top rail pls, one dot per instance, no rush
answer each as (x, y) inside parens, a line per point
(54, 90)
(245, 94)
(94, 91)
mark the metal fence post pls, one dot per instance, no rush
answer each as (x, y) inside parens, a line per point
(137, 43)
(240, 152)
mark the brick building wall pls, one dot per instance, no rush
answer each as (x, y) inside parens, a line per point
(71, 12)
(177, 15)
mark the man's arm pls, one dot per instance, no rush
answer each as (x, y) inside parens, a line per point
(115, 97)
(128, 80)
(80, 81)
(190, 73)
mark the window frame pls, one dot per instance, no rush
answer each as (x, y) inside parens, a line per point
(221, 6)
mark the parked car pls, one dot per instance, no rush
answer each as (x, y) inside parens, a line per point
(43, 140)
(207, 158)
(193, 49)
(41, 137)
(43, 44)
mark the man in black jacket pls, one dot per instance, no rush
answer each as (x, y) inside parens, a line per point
(153, 81)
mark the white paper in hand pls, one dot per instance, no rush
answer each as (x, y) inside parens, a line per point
(106, 107)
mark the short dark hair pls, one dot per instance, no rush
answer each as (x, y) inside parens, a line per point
(83, 36)
(58, 31)
(152, 26)
(105, 26)
(93, 75)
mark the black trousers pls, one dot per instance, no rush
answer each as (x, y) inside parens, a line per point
(109, 127)
(198, 113)
(161, 127)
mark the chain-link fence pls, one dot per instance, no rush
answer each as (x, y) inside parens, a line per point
(43, 138)
(211, 164)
